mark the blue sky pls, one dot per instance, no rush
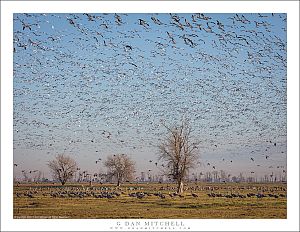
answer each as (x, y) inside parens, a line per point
(90, 86)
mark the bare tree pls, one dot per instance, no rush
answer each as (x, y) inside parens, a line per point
(179, 153)
(120, 167)
(208, 177)
(37, 177)
(63, 168)
(216, 176)
(223, 175)
(26, 179)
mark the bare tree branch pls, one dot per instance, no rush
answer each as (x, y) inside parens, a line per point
(178, 152)
(62, 168)
(120, 167)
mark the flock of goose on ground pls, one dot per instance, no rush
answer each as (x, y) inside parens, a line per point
(162, 192)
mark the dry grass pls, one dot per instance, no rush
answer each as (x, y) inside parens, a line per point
(151, 206)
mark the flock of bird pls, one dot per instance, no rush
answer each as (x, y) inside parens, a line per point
(161, 193)
(95, 84)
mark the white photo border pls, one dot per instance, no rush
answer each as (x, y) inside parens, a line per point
(10, 7)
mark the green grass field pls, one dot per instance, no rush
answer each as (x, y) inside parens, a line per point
(42, 204)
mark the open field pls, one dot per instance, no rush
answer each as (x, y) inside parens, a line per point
(201, 200)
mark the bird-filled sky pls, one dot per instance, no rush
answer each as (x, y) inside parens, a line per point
(93, 85)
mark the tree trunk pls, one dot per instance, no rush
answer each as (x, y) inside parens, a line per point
(119, 183)
(180, 187)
